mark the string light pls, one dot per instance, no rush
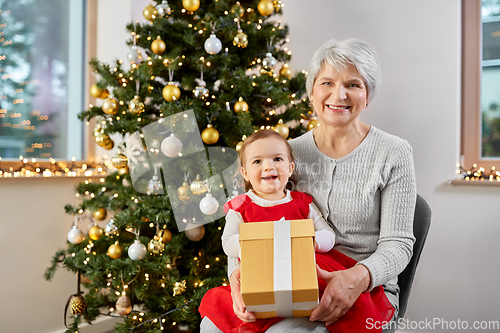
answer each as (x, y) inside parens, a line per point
(478, 174)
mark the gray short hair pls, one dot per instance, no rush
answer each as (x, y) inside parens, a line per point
(341, 53)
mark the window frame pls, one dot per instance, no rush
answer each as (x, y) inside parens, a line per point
(470, 145)
(89, 146)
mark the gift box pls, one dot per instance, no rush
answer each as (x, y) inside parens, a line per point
(278, 268)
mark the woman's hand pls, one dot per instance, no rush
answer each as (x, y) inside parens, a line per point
(343, 289)
(238, 306)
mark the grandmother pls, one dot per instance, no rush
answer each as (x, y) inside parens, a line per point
(361, 178)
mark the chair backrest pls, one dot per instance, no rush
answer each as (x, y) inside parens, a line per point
(421, 224)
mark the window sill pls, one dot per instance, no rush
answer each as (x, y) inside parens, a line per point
(65, 169)
(94, 174)
(475, 182)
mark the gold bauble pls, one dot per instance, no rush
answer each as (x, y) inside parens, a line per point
(95, 91)
(123, 171)
(101, 138)
(136, 106)
(282, 129)
(150, 12)
(265, 7)
(238, 9)
(105, 94)
(95, 232)
(158, 46)
(84, 278)
(110, 106)
(155, 246)
(179, 287)
(210, 135)
(108, 144)
(198, 186)
(240, 39)
(240, 106)
(239, 144)
(115, 250)
(119, 161)
(171, 92)
(97, 130)
(278, 4)
(195, 232)
(77, 305)
(191, 5)
(312, 123)
(165, 235)
(100, 214)
(183, 192)
(286, 72)
(123, 306)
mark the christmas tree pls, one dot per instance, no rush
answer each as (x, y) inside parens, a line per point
(216, 67)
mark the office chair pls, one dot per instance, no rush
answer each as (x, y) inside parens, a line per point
(421, 224)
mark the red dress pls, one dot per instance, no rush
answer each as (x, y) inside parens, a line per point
(217, 304)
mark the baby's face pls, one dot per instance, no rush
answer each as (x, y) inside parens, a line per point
(267, 167)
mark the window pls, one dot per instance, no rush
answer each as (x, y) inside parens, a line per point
(490, 79)
(42, 62)
(480, 84)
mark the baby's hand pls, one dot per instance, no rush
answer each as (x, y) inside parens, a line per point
(238, 305)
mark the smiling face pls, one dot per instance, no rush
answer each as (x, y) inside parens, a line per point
(267, 166)
(339, 97)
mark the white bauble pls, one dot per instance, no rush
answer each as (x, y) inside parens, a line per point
(137, 251)
(209, 205)
(75, 235)
(134, 56)
(171, 146)
(213, 45)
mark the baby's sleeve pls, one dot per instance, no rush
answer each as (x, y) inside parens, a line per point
(324, 234)
(230, 235)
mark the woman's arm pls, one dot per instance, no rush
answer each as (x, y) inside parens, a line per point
(394, 249)
(324, 235)
(230, 235)
(397, 209)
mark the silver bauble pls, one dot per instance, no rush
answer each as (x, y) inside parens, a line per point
(110, 228)
(201, 92)
(269, 62)
(163, 9)
(134, 56)
(155, 185)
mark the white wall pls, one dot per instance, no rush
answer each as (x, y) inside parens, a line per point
(419, 48)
